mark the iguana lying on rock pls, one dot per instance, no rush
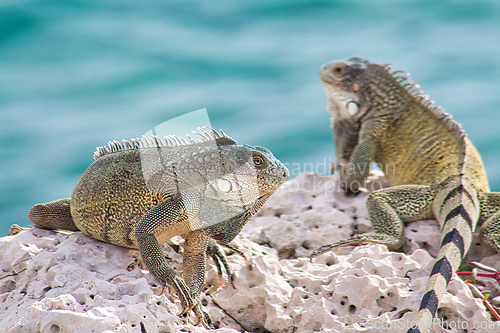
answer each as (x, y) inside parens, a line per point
(140, 194)
(379, 116)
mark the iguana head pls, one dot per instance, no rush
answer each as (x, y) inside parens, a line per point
(343, 83)
(271, 172)
(356, 87)
(251, 175)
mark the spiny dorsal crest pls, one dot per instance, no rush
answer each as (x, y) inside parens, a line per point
(168, 141)
(414, 89)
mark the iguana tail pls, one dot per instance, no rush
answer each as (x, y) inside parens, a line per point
(53, 215)
(456, 207)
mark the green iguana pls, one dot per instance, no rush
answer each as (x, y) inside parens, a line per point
(140, 194)
(381, 117)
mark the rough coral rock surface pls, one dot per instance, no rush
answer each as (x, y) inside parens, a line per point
(67, 282)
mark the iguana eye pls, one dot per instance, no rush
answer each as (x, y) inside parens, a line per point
(258, 160)
(339, 69)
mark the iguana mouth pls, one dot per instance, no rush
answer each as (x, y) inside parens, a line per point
(328, 80)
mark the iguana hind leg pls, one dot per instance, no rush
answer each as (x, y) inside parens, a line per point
(53, 215)
(489, 233)
(388, 209)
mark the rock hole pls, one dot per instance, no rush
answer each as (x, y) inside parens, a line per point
(401, 313)
(9, 286)
(352, 309)
(413, 230)
(47, 289)
(287, 252)
(317, 327)
(426, 246)
(143, 328)
(132, 266)
(333, 313)
(204, 302)
(306, 245)
(54, 328)
(216, 324)
(91, 296)
(309, 207)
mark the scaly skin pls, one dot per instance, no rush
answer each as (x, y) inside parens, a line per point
(434, 171)
(141, 194)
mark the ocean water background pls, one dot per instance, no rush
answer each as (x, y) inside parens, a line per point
(76, 74)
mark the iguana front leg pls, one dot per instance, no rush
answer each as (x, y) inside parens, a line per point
(168, 217)
(358, 154)
(353, 175)
(194, 269)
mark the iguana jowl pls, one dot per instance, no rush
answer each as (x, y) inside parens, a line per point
(140, 194)
(378, 116)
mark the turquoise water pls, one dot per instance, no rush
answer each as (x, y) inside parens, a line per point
(76, 74)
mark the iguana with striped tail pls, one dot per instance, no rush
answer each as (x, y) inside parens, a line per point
(380, 116)
(140, 194)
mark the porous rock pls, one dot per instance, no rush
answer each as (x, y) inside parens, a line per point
(67, 282)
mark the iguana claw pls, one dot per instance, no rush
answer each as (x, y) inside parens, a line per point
(188, 303)
(219, 257)
(202, 316)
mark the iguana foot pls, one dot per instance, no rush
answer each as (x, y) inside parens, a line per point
(203, 317)
(188, 302)
(15, 229)
(219, 257)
